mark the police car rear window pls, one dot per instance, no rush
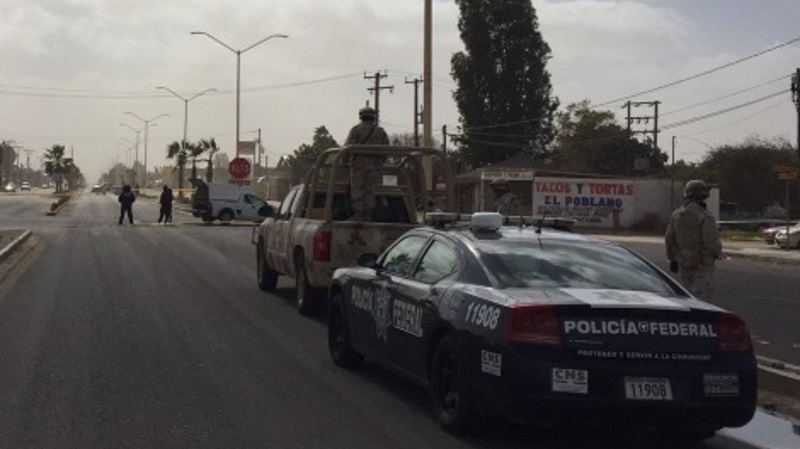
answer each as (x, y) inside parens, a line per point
(563, 264)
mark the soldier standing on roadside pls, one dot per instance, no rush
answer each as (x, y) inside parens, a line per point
(363, 169)
(692, 240)
(166, 205)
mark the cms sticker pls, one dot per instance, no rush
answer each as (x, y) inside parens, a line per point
(574, 381)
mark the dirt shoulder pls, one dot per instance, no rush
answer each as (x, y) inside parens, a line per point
(8, 235)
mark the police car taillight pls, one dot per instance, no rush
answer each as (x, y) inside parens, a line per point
(322, 246)
(733, 334)
(536, 324)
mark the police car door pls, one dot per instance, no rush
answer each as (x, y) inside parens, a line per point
(397, 262)
(415, 306)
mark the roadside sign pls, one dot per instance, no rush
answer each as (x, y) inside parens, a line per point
(784, 169)
(246, 148)
(239, 168)
(787, 175)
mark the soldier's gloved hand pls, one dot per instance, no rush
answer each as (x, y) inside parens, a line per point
(673, 266)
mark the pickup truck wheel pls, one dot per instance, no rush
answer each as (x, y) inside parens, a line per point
(226, 216)
(339, 343)
(267, 279)
(305, 295)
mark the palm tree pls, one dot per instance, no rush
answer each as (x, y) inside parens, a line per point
(210, 147)
(195, 151)
(180, 154)
(55, 164)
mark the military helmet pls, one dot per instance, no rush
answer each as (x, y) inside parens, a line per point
(696, 189)
(367, 113)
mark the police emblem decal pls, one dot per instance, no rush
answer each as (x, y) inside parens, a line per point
(382, 311)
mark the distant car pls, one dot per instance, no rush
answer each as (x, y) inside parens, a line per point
(543, 326)
(790, 240)
(769, 233)
(10, 187)
(25, 185)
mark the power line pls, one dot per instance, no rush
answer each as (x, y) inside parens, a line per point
(722, 111)
(701, 74)
(743, 119)
(733, 94)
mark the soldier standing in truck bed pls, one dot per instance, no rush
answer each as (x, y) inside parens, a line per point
(363, 170)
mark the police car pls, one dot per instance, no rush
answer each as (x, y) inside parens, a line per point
(532, 323)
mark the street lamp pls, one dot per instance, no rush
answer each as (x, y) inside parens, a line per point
(137, 131)
(185, 107)
(146, 126)
(238, 72)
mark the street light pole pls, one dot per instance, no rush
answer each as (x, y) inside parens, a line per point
(185, 108)
(146, 127)
(238, 72)
(137, 131)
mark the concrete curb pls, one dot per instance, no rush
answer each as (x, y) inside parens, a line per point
(55, 212)
(738, 254)
(780, 377)
(9, 249)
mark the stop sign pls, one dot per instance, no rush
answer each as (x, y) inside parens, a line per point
(239, 168)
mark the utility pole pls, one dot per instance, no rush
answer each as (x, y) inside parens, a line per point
(796, 99)
(417, 115)
(444, 138)
(646, 119)
(427, 92)
(376, 90)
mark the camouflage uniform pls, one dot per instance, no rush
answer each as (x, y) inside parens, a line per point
(693, 242)
(505, 204)
(363, 171)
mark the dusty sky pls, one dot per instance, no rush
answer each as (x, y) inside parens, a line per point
(69, 70)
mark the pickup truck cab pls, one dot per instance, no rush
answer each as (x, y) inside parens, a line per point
(225, 202)
(312, 233)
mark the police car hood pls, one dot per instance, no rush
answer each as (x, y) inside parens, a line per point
(605, 299)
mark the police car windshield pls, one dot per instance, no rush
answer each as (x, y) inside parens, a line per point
(568, 264)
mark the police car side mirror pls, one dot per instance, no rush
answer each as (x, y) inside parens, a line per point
(368, 260)
(266, 211)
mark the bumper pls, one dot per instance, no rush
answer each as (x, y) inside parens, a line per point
(526, 392)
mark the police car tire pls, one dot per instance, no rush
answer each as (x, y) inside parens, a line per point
(453, 402)
(339, 346)
(305, 295)
(266, 277)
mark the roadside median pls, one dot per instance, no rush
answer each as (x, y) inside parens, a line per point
(59, 203)
(10, 240)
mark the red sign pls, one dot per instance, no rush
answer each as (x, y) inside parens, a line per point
(239, 168)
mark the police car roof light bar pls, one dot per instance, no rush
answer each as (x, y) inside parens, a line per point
(486, 221)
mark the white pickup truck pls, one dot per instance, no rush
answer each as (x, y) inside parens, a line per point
(312, 234)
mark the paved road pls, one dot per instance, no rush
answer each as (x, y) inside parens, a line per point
(766, 294)
(156, 336)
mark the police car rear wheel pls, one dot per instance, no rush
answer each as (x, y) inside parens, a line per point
(339, 345)
(267, 279)
(453, 403)
(225, 216)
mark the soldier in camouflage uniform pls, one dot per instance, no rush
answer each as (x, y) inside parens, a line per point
(363, 170)
(505, 199)
(692, 241)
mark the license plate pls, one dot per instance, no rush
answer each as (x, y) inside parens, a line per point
(648, 389)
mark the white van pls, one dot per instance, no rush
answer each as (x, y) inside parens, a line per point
(225, 202)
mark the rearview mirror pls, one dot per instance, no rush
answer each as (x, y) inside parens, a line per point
(266, 211)
(367, 260)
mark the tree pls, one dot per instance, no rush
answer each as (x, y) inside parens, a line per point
(180, 154)
(591, 141)
(211, 148)
(504, 94)
(55, 165)
(745, 172)
(303, 157)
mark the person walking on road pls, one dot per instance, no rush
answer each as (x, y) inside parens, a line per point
(126, 200)
(692, 241)
(505, 199)
(166, 205)
(363, 169)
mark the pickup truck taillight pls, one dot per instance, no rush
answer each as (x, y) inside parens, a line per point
(322, 246)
